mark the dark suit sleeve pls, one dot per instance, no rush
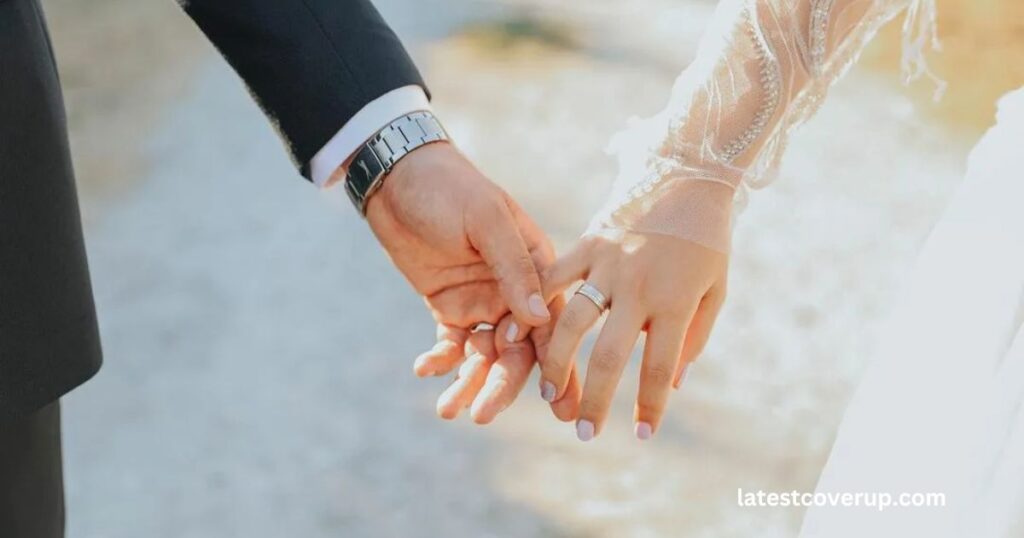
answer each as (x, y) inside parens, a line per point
(310, 64)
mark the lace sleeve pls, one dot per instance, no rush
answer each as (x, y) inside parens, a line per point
(763, 67)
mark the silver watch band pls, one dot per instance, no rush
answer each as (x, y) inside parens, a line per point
(378, 155)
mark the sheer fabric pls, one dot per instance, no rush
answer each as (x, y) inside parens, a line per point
(763, 68)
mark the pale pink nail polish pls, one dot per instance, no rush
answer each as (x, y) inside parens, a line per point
(548, 391)
(512, 332)
(643, 431)
(584, 430)
(537, 306)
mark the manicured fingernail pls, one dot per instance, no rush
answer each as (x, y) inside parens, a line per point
(643, 431)
(584, 430)
(538, 307)
(512, 332)
(547, 391)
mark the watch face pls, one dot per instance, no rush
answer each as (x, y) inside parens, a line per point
(353, 194)
(376, 157)
(366, 170)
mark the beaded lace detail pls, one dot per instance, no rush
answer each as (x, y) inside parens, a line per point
(762, 69)
(817, 34)
(770, 76)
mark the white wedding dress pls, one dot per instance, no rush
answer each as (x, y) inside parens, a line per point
(940, 408)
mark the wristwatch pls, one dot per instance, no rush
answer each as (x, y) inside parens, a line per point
(378, 155)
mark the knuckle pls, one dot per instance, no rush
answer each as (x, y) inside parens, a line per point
(658, 375)
(678, 309)
(489, 213)
(606, 361)
(521, 346)
(520, 358)
(522, 265)
(517, 355)
(515, 270)
(491, 206)
(572, 321)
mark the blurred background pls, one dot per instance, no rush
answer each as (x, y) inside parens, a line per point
(259, 345)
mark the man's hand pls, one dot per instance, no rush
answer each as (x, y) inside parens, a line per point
(491, 371)
(463, 244)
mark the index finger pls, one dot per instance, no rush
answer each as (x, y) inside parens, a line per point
(496, 235)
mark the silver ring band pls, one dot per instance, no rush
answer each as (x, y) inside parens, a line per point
(590, 292)
(481, 327)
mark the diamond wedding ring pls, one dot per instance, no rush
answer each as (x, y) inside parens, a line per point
(595, 296)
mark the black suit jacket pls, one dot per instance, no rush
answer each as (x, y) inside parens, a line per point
(311, 64)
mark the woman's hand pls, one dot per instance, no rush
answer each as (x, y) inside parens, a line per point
(669, 287)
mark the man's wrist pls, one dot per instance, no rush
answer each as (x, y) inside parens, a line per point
(422, 164)
(376, 158)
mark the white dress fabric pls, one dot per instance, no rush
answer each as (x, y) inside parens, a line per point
(940, 408)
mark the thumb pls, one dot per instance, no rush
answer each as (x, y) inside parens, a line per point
(498, 239)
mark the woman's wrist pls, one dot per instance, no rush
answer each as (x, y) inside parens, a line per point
(682, 206)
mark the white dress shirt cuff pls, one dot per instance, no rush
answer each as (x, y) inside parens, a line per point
(325, 166)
